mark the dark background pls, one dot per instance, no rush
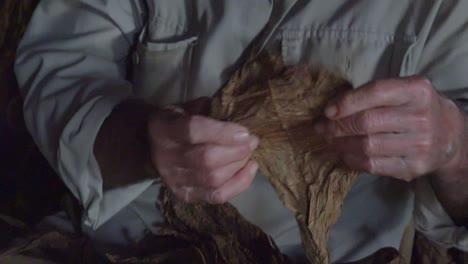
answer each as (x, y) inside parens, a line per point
(29, 188)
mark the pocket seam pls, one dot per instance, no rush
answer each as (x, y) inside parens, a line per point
(144, 51)
(167, 46)
(343, 34)
(399, 63)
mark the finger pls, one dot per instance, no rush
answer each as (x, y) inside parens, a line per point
(196, 129)
(207, 178)
(189, 194)
(413, 146)
(395, 167)
(237, 184)
(375, 94)
(211, 156)
(234, 186)
(377, 120)
(199, 106)
(379, 145)
(220, 176)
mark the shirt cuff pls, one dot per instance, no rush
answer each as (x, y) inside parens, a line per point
(80, 170)
(433, 221)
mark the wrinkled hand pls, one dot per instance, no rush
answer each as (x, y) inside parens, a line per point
(201, 159)
(399, 127)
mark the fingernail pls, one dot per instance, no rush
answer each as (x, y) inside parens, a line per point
(253, 168)
(331, 111)
(319, 128)
(254, 143)
(242, 136)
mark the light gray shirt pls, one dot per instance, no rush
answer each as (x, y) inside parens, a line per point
(74, 67)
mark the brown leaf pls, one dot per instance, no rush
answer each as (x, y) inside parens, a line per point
(280, 104)
(219, 232)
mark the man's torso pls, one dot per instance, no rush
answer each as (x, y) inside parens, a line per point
(190, 50)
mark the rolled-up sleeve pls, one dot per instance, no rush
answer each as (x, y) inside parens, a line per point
(71, 67)
(444, 60)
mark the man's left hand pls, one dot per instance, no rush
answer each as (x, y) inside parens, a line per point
(401, 128)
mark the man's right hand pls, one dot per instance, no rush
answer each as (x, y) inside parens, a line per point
(201, 159)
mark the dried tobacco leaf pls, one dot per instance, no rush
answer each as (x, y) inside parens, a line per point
(219, 233)
(280, 105)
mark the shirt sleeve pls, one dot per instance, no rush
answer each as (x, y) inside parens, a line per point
(444, 60)
(432, 220)
(71, 67)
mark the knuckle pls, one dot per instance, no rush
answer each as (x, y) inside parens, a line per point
(369, 166)
(349, 125)
(222, 129)
(427, 143)
(193, 123)
(423, 123)
(377, 89)
(422, 81)
(424, 144)
(198, 156)
(350, 99)
(419, 168)
(213, 179)
(209, 157)
(343, 101)
(423, 90)
(365, 122)
(368, 146)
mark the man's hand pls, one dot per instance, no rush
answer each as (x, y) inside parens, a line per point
(199, 158)
(399, 127)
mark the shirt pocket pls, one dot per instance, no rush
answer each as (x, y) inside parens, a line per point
(357, 55)
(161, 70)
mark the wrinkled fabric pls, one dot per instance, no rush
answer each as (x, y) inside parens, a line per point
(80, 58)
